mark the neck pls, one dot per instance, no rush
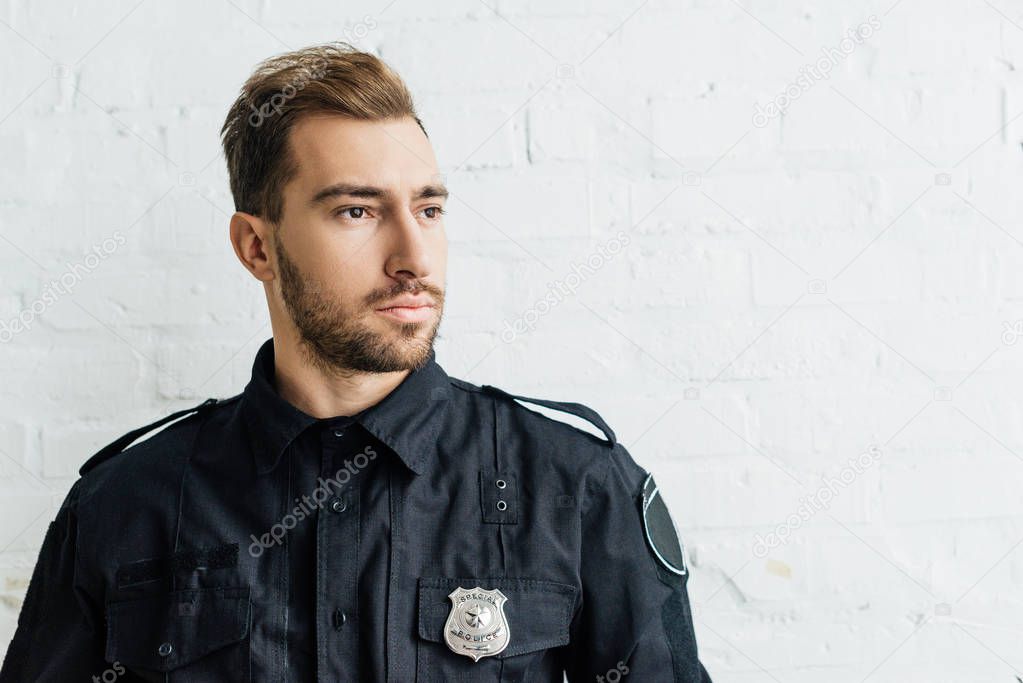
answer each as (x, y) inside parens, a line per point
(307, 387)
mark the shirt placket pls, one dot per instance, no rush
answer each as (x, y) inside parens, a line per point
(337, 558)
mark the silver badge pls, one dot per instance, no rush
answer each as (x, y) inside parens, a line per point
(476, 626)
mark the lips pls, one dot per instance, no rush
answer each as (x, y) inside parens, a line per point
(408, 309)
(408, 301)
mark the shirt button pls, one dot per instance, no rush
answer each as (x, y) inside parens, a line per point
(339, 433)
(339, 619)
(338, 505)
(165, 649)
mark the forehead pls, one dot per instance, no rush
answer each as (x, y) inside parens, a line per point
(391, 153)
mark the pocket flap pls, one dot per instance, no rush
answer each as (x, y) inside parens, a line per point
(538, 612)
(163, 632)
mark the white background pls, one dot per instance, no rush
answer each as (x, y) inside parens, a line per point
(845, 277)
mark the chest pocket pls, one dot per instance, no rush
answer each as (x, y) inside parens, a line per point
(188, 635)
(537, 616)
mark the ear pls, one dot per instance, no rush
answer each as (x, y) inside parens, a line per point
(250, 237)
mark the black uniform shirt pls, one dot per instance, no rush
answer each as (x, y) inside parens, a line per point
(249, 541)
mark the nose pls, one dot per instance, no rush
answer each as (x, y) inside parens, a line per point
(409, 257)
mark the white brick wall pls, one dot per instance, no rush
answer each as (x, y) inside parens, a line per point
(791, 294)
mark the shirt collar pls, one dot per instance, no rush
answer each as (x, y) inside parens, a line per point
(407, 420)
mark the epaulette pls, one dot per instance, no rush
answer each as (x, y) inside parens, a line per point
(123, 442)
(576, 409)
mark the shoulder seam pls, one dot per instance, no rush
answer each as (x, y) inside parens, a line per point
(465, 386)
(127, 440)
(607, 463)
(578, 409)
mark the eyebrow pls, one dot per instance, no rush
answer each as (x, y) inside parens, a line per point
(371, 192)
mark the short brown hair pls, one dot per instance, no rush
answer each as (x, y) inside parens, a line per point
(333, 78)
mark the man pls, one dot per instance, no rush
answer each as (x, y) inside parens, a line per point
(355, 514)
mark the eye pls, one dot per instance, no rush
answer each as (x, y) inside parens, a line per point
(437, 212)
(353, 212)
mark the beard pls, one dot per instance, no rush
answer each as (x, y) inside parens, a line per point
(337, 341)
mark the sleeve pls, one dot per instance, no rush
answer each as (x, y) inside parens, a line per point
(634, 622)
(60, 628)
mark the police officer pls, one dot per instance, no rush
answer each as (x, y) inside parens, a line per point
(355, 514)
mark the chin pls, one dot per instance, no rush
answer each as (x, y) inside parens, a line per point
(398, 357)
(408, 352)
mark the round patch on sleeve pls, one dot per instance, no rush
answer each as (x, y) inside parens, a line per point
(661, 534)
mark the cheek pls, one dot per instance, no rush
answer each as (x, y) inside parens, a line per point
(347, 284)
(344, 256)
(328, 274)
